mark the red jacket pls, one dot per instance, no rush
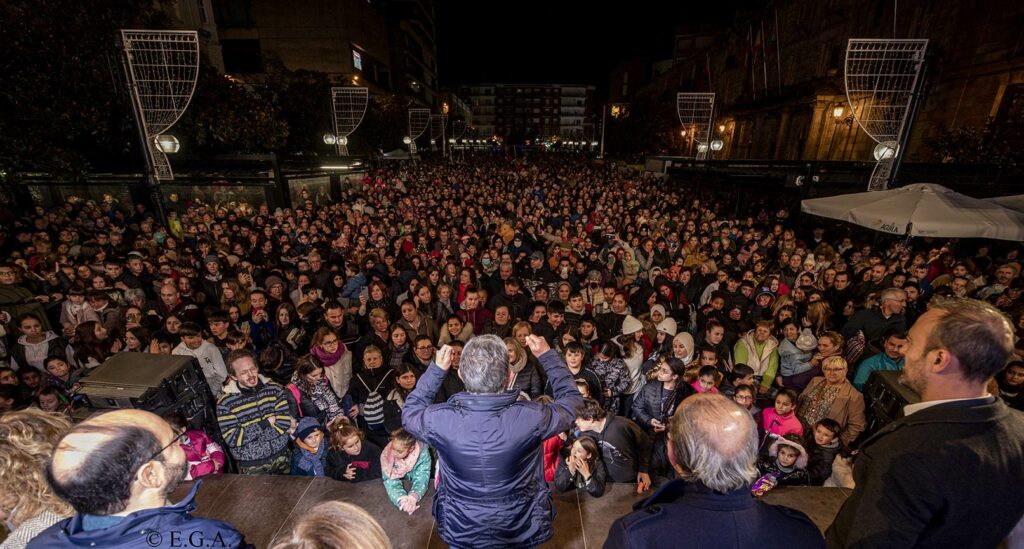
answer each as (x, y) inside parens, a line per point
(205, 457)
(552, 447)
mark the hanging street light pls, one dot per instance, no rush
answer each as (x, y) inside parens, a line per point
(167, 143)
(886, 150)
(330, 139)
(716, 144)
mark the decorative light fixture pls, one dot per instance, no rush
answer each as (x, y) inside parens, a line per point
(837, 112)
(716, 144)
(593, 144)
(702, 148)
(167, 143)
(886, 150)
(682, 133)
(330, 139)
(721, 128)
(343, 141)
(406, 140)
(433, 142)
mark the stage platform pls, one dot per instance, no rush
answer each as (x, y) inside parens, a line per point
(262, 507)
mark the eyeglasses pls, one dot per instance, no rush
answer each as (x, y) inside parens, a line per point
(182, 438)
(743, 397)
(425, 348)
(328, 342)
(833, 370)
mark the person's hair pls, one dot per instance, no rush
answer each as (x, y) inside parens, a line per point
(748, 388)
(484, 365)
(190, 329)
(890, 293)
(573, 347)
(29, 437)
(235, 356)
(708, 446)
(609, 350)
(711, 325)
(419, 338)
(831, 425)
(102, 482)
(708, 371)
(304, 366)
(403, 436)
(87, 346)
(519, 350)
(219, 315)
(788, 393)
(335, 524)
(591, 410)
(674, 364)
(373, 349)
(377, 313)
(975, 332)
(834, 337)
(522, 324)
(740, 370)
(177, 420)
(320, 334)
(589, 445)
(342, 432)
(893, 332)
(25, 316)
(819, 313)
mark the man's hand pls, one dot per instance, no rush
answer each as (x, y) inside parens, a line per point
(538, 345)
(643, 482)
(443, 358)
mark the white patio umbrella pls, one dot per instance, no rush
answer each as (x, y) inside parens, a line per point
(922, 209)
(1014, 202)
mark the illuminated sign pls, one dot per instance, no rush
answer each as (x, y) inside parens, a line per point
(357, 60)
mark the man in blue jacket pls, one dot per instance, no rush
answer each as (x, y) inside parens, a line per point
(117, 470)
(492, 491)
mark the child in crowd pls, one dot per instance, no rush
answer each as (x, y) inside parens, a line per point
(205, 457)
(405, 458)
(746, 396)
(581, 467)
(706, 380)
(741, 374)
(351, 457)
(786, 462)
(825, 446)
(309, 458)
(781, 419)
(611, 371)
(584, 388)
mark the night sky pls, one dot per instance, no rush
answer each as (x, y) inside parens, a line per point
(558, 41)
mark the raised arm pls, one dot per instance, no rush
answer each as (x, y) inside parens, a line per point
(562, 412)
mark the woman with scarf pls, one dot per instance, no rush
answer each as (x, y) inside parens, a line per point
(311, 395)
(404, 378)
(405, 459)
(399, 347)
(833, 396)
(525, 375)
(336, 360)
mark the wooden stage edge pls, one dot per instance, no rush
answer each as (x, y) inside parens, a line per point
(264, 507)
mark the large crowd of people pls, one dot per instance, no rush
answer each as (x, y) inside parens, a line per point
(314, 324)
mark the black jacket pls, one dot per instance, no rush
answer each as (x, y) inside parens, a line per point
(688, 514)
(564, 481)
(819, 465)
(648, 403)
(367, 463)
(625, 447)
(946, 476)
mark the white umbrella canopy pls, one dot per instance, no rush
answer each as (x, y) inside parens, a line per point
(1015, 202)
(926, 209)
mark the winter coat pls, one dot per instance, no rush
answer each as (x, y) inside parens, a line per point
(791, 477)
(528, 378)
(138, 529)
(23, 353)
(419, 476)
(847, 409)
(491, 490)
(205, 457)
(366, 462)
(649, 403)
(764, 362)
(625, 448)
(793, 361)
(565, 481)
(778, 425)
(705, 519)
(819, 465)
(613, 376)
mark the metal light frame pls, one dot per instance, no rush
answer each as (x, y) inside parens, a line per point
(348, 108)
(882, 80)
(696, 112)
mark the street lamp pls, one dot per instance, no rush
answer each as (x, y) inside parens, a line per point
(837, 112)
(406, 140)
(343, 141)
(167, 143)
(721, 128)
(716, 144)
(330, 139)
(886, 150)
(702, 148)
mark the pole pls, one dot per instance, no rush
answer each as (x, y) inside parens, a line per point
(604, 117)
(905, 134)
(151, 181)
(778, 51)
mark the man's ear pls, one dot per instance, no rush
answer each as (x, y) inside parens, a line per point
(152, 475)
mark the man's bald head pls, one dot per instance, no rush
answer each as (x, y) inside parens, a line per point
(95, 465)
(714, 441)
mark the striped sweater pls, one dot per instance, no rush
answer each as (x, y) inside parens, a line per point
(254, 422)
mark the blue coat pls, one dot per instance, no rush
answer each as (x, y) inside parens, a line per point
(699, 517)
(172, 526)
(492, 491)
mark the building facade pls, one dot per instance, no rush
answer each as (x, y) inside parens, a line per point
(532, 112)
(778, 76)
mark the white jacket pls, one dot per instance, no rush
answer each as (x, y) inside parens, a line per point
(211, 361)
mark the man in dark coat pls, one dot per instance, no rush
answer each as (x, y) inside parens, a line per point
(492, 491)
(948, 473)
(127, 509)
(712, 445)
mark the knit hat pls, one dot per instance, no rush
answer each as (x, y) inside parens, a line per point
(306, 427)
(660, 308)
(211, 258)
(801, 460)
(272, 280)
(538, 255)
(806, 342)
(667, 326)
(631, 325)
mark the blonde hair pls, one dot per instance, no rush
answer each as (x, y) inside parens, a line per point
(29, 437)
(834, 360)
(335, 524)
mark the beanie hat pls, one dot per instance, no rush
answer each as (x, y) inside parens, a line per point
(631, 325)
(806, 342)
(211, 258)
(667, 326)
(306, 427)
(273, 279)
